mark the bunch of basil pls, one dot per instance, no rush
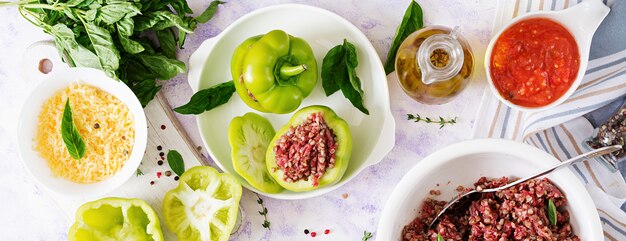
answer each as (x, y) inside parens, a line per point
(132, 40)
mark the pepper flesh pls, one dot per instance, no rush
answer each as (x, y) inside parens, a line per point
(274, 72)
(333, 174)
(115, 219)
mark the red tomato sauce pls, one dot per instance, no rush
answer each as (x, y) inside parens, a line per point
(534, 62)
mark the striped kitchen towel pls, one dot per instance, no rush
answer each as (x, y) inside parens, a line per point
(561, 130)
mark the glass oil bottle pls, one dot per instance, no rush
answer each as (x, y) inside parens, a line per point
(434, 64)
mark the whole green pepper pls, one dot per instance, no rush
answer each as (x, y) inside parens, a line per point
(274, 72)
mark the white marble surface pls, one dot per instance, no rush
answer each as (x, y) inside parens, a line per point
(28, 212)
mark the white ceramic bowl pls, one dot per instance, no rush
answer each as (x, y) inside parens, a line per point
(581, 20)
(27, 130)
(373, 135)
(464, 163)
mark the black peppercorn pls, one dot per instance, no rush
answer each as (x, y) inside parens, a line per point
(96, 126)
(160, 163)
(176, 178)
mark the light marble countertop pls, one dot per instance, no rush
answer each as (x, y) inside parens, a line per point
(29, 213)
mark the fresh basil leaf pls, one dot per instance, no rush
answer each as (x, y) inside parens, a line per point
(339, 72)
(112, 13)
(124, 30)
(330, 66)
(207, 99)
(79, 55)
(181, 7)
(164, 67)
(85, 3)
(133, 71)
(71, 137)
(209, 12)
(551, 212)
(159, 20)
(412, 21)
(352, 62)
(105, 48)
(129, 45)
(73, 3)
(89, 15)
(176, 162)
(155, 5)
(167, 42)
(147, 44)
(439, 238)
(145, 91)
(182, 35)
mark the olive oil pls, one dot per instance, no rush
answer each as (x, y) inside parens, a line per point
(434, 64)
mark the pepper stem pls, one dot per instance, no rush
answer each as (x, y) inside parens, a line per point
(287, 71)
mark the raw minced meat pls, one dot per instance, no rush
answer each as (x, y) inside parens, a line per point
(517, 213)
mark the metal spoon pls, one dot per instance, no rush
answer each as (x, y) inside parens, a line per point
(595, 153)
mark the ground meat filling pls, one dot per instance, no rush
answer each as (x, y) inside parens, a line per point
(307, 150)
(517, 213)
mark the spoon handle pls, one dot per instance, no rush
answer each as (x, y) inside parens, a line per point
(595, 153)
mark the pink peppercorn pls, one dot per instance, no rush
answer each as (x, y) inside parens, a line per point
(326, 231)
(313, 234)
(158, 174)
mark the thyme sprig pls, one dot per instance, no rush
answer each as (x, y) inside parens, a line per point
(441, 121)
(138, 172)
(366, 235)
(266, 224)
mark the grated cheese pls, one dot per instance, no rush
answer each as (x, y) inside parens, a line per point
(107, 147)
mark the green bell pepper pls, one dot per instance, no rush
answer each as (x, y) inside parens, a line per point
(274, 72)
(343, 136)
(116, 219)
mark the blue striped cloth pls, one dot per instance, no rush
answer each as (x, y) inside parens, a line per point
(562, 130)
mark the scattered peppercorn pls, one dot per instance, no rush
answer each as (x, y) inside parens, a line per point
(163, 158)
(168, 173)
(151, 182)
(306, 231)
(176, 178)
(160, 163)
(162, 127)
(159, 148)
(313, 234)
(161, 154)
(199, 148)
(96, 126)
(327, 231)
(158, 174)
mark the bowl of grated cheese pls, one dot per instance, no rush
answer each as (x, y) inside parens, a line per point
(108, 118)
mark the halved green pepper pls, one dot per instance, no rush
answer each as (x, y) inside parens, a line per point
(116, 219)
(274, 72)
(343, 137)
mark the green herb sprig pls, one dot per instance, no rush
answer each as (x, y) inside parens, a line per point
(441, 121)
(112, 36)
(207, 99)
(412, 21)
(366, 236)
(551, 212)
(339, 72)
(439, 238)
(263, 212)
(71, 137)
(176, 162)
(138, 172)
